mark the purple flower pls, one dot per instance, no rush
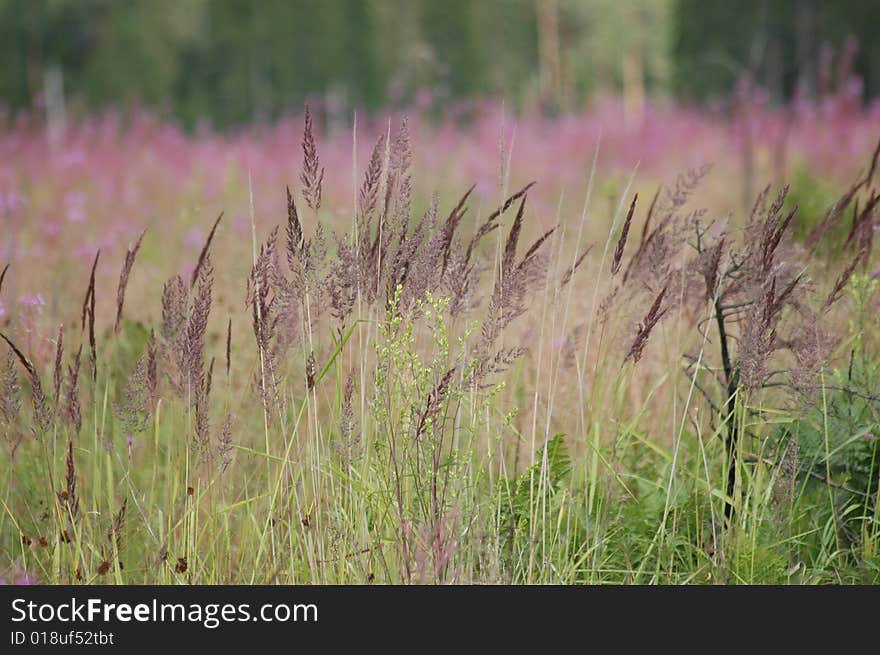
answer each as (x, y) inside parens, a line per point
(76, 207)
(194, 238)
(11, 202)
(241, 224)
(51, 228)
(26, 579)
(21, 578)
(37, 302)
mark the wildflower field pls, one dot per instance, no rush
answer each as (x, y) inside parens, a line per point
(494, 348)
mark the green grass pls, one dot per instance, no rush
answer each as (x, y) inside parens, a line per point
(409, 442)
(299, 505)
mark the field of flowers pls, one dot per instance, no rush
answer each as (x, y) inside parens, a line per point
(393, 358)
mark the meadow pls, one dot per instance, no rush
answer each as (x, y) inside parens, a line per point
(593, 348)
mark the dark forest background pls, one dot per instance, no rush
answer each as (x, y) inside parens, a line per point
(233, 61)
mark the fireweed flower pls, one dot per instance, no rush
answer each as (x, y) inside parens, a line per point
(21, 579)
(76, 207)
(241, 224)
(11, 202)
(26, 579)
(51, 228)
(194, 238)
(35, 302)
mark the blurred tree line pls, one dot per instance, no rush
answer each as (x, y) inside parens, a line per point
(231, 61)
(784, 45)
